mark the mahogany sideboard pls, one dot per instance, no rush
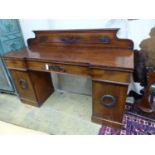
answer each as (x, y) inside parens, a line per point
(97, 53)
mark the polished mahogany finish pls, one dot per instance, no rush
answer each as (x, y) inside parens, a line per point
(33, 87)
(111, 115)
(97, 53)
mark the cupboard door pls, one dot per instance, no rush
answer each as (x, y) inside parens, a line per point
(24, 86)
(108, 103)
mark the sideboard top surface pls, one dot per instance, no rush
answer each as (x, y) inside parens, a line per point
(86, 47)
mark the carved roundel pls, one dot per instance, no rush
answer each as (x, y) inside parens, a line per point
(108, 101)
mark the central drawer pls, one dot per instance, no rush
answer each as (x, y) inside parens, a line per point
(58, 68)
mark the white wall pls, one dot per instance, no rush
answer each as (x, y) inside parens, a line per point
(88, 24)
(139, 30)
(77, 24)
(27, 26)
(136, 30)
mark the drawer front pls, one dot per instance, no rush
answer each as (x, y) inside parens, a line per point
(15, 64)
(108, 101)
(24, 86)
(59, 68)
(116, 76)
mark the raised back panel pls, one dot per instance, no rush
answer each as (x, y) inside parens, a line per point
(105, 38)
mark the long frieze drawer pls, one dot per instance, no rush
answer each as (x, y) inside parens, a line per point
(59, 68)
(15, 64)
(111, 75)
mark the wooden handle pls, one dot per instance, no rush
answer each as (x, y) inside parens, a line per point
(55, 68)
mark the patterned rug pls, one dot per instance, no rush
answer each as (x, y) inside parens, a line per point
(132, 125)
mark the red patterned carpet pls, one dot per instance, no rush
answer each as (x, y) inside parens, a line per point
(132, 125)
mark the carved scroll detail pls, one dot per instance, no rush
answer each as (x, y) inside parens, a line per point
(43, 38)
(70, 39)
(105, 39)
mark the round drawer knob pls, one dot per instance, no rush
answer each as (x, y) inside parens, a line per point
(108, 101)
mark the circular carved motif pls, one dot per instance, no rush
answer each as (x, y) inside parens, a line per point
(23, 84)
(108, 101)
